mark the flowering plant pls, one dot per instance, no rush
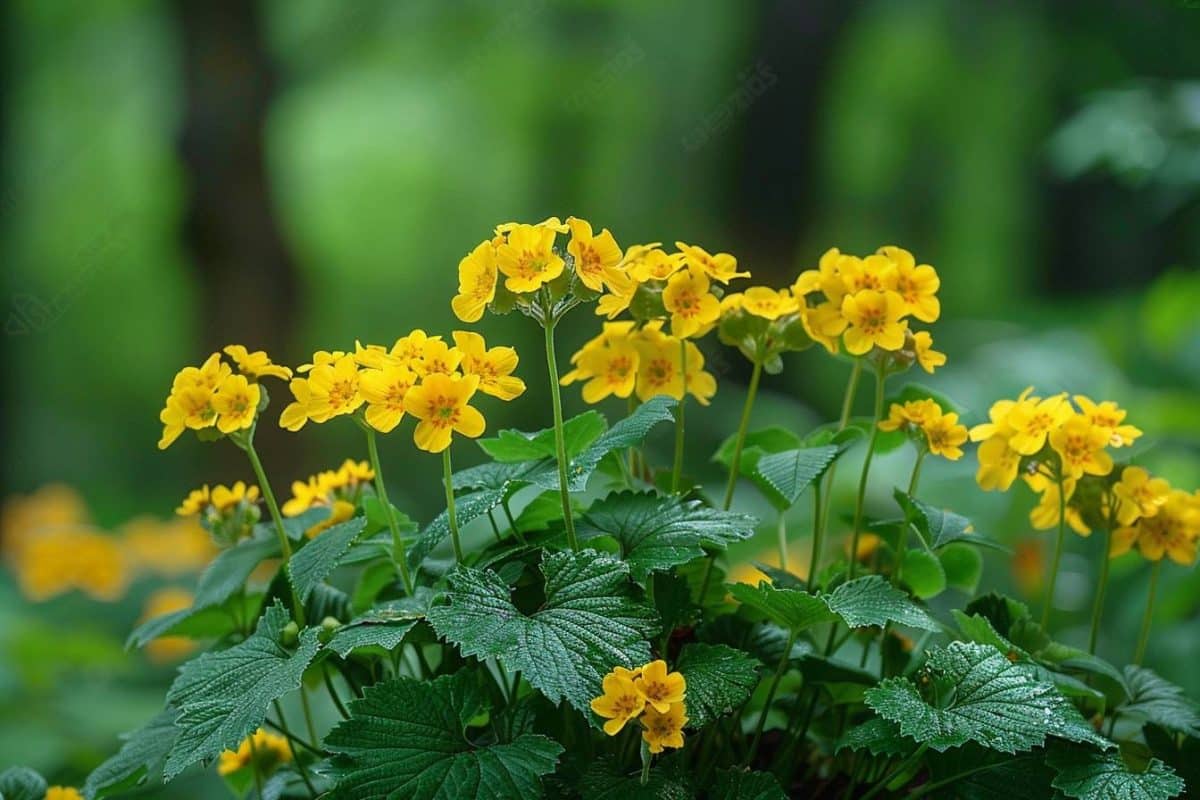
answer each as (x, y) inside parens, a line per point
(570, 626)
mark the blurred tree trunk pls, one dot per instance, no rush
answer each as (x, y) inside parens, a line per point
(247, 279)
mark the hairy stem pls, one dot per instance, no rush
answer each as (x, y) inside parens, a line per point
(1148, 616)
(451, 511)
(1098, 606)
(560, 446)
(399, 556)
(285, 547)
(740, 441)
(866, 471)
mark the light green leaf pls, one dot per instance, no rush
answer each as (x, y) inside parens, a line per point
(590, 622)
(312, 563)
(771, 439)
(1097, 776)
(872, 601)
(976, 694)
(656, 532)
(791, 472)
(1160, 702)
(923, 573)
(512, 446)
(719, 679)
(141, 755)
(21, 783)
(939, 528)
(408, 739)
(878, 736)
(741, 784)
(223, 696)
(793, 609)
(963, 566)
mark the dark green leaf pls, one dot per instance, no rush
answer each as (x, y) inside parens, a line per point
(872, 601)
(383, 626)
(316, 560)
(741, 784)
(792, 609)
(791, 472)
(494, 475)
(467, 508)
(939, 528)
(772, 439)
(141, 755)
(879, 737)
(21, 783)
(589, 623)
(1097, 776)
(626, 433)
(408, 739)
(719, 679)
(1160, 702)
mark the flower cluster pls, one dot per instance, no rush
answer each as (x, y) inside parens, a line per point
(864, 303)
(261, 749)
(229, 513)
(339, 490)
(651, 694)
(419, 375)
(1155, 518)
(625, 359)
(943, 434)
(212, 395)
(762, 323)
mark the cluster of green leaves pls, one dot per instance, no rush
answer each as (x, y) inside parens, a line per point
(478, 685)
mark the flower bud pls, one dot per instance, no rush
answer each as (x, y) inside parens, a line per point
(290, 635)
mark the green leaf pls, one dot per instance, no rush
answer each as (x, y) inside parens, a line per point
(495, 475)
(605, 780)
(626, 433)
(972, 772)
(872, 601)
(512, 446)
(939, 528)
(791, 472)
(976, 694)
(141, 755)
(21, 783)
(657, 532)
(793, 609)
(719, 679)
(1096, 776)
(467, 508)
(772, 439)
(978, 628)
(223, 696)
(383, 626)
(923, 573)
(408, 738)
(740, 784)
(589, 623)
(1160, 702)
(878, 736)
(962, 565)
(312, 563)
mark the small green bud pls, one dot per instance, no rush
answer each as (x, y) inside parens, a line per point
(329, 626)
(290, 634)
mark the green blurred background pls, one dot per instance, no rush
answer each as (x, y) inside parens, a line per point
(296, 175)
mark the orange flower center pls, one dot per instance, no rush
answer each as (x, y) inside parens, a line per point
(660, 371)
(873, 320)
(341, 393)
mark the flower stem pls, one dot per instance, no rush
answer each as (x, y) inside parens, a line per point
(285, 547)
(646, 758)
(1098, 608)
(1148, 616)
(902, 545)
(254, 764)
(283, 726)
(451, 512)
(677, 470)
(903, 766)
(560, 445)
(784, 661)
(740, 441)
(1048, 602)
(814, 561)
(399, 555)
(866, 470)
(781, 532)
(820, 521)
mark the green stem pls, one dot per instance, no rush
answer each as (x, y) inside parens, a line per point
(866, 470)
(258, 781)
(899, 770)
(902, 544)
(781, 532)
(1098, 608)
(1048, 603)
(285, 547)
(815, 560)
(677, 470)
(308, 717)
(333, 695)
(283, 726)
(399, 555)
(740, 441)
(843, 421)
(451, 511)
(1148, 616)
(560, 446)
(646, 758)
(766, 709)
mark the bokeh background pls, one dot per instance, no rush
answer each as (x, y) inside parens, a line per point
(297, 174)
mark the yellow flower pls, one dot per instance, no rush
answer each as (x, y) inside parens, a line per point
(194, 503)
(812, 280)
(620, 702)
(911, 413)
(265, 749)
(874, 273)
(226, 497)
(340, 512)
(648, 262)
(928, 358)
(700, 384)
(296, 414)
(998, 464)
(207, 376)
(660, 687)
(62, 793)
(694, 310)
(321, 357)
(527, 258)
(1045, 514)
(437, 357)
(1080, 446)
(824, 323)
(411, 348)
(1172, 532)
(384, 391)
(608, 363)
(51, 507)
(1108, 415)
(333, 389)
(918, 285)
(476, 282)
(720, 267)
(257, 364)
(1031, 420)
(351, 472)
(664, 729)
(440, 402)
(168, 600)
(874, 319)
(768, 303)
(236, 403)
(187, 407)
(596, 256)
(945, 435)
(998, 418)
(177, 547)
(494, 366)
(659, 362)
(550, 223)
(1139, 495)
(72, 558)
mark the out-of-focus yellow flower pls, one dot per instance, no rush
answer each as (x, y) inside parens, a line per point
(194, 503)
(694, 310)
(384, 391)
(1080, 447)
(333, 389)
(51, 507)
(608, 363)
(440, 402)
(875, 320)
(341, 511)
(1172, 532)
(868, 545)
(1108, 416)
(352, 473)
(1028, 566)
(327, 487)
(167, 649)
(477, 277)
(494, 366)
(664, 729)
(918, 285)
(257, 364)
(1139, 494)
(62, 793)
(620, 702)
(296, 414)
(659, 365)
(927, 358)
(264, 750)
(172, 548)
(911, 413)
(1045, 514)
(998, 464)
(223, 498)
(767, 303)
(236, 403)
(944, 435)
(72, 558)
(527, 258)
(596, 255)
(721, 267)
